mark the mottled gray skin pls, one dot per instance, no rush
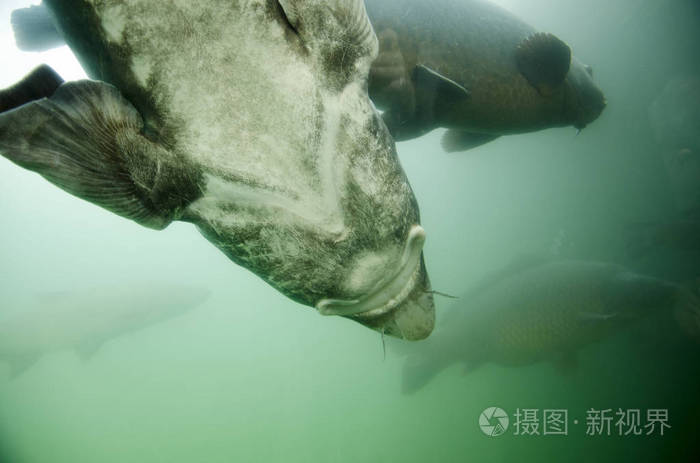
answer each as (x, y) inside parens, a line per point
(472, 43)
(251, 120)
(544, 312)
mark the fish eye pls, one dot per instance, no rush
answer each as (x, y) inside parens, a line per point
(589, 70)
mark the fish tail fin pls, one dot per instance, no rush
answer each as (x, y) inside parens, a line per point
(687, 312)
(34, 29)
(88, 140)
(418, 371)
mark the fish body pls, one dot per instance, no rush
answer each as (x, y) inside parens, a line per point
(546, 312)
(251, 120)
(84, 320)
(476, 69)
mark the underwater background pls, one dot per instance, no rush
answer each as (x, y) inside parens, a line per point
(249, 375)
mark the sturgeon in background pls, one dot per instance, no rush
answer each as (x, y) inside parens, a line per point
(247, 118)
(85, 320)
(475, 69)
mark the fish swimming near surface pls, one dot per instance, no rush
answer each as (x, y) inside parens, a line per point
(533, 312)
(475, 69)
(85, 320)
(249, 119)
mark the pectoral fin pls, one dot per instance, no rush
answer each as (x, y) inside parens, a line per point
(436, 93)
(87, 139)
(544, 60)
(461, 140)
(433, 99)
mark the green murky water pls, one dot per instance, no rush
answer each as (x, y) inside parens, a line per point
(251, 376)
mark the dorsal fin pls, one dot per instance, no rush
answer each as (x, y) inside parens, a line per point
(442, 92)
(544, 60)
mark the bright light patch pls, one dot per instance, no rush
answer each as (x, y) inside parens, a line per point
(17, 64)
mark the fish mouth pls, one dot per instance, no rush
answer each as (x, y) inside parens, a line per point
(401, 306)
(591, 112)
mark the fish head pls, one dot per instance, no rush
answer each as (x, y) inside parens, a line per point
(334, 223)
(260, 108)
(585, 101)
(373, 270)
(387, 291)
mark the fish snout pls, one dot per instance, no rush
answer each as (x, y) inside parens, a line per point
(602, 103)
(400, 305)
(591, 109)
(413, 316)
(586, 101)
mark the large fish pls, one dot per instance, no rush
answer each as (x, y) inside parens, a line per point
(476, 69)
(545, 311)
(84, 320)
(249, 119)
